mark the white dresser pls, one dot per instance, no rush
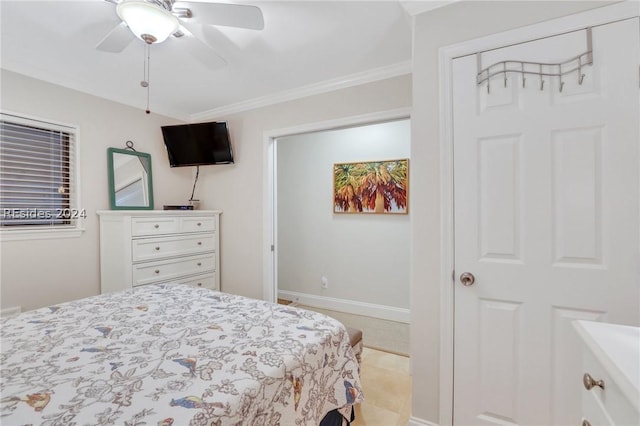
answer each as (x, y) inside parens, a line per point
(155, 246)
(611, 381)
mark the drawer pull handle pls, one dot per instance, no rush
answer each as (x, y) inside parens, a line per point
(589, 382)
(156, 226)
(585, 422)
(157, 248)
(199, 284)
(199, 243)
(199, 263)
(199, 224)
(157, 271)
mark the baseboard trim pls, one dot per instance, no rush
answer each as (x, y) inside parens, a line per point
(414, 421)
(390, 313)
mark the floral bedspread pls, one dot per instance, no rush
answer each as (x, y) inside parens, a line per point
(174, 355)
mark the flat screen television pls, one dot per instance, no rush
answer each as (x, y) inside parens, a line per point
(197, 144)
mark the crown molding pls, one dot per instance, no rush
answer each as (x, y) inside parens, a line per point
(416, 7)
(376, 74)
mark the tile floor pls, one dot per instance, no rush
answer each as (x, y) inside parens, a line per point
(387, 389)
(385, 376)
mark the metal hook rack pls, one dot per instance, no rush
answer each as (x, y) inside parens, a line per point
(540, 69)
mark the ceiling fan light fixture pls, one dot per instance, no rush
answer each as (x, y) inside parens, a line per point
(148, 21)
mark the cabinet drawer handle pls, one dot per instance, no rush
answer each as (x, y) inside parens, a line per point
(199, 284)
(199, 224)
(157, 271)
(199, 243)
(156, 226)
(199, 263)
(585, 422)
(589, 382)
(157, 248)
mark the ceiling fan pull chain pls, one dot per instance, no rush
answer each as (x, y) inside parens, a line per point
(145, 81)
(148, 47)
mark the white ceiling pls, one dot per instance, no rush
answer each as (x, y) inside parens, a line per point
(304, 44)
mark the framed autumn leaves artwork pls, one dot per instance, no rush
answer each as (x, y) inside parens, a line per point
(371, 187)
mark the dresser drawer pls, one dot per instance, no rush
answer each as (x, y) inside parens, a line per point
(169, 270)
(147, 249)
(197, 224)
(593, 411)
(143, 226)
(608, 406)
(206, 281)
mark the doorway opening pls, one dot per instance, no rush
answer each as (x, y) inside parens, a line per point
(330, 261)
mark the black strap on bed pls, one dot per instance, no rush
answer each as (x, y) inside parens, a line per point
(334, 418)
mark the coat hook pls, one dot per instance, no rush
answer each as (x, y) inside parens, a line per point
(541, 79)
(504, 71)
(560, 76)
(580, 74)
(581, 79)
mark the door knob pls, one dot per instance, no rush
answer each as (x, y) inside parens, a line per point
(467, 279)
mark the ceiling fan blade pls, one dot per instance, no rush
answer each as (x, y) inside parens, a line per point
(200, 50)
(224, 14)
(117, 39)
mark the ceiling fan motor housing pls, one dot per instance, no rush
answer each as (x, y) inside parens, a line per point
(149, 21)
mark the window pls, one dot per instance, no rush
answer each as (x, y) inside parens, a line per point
(37, 176)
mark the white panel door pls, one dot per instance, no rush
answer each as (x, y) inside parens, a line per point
(547, 202)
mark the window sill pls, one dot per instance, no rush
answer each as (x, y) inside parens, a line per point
(39, 234)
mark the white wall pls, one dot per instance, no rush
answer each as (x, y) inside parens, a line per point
(237, 189)
(38, 273)
(364, 256)
(453, 24)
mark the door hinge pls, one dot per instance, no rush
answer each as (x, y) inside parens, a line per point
(273, 248)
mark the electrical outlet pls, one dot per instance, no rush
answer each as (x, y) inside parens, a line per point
(325, 282)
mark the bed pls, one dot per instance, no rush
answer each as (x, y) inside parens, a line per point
(175, 355)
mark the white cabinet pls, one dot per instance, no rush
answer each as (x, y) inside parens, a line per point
(157, 246)
(611, 381)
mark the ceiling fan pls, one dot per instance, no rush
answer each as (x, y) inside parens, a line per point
(153, 21)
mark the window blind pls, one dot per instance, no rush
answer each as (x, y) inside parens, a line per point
(36, 174)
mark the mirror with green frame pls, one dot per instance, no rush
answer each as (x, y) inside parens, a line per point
(130, 180)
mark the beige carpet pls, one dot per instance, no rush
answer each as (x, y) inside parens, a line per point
(388, 336)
